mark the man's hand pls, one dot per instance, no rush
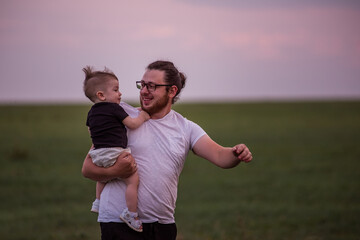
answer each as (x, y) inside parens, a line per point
(242, 152)
(125, 166)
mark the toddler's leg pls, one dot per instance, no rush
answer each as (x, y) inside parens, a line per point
(129, 215)
(99, 188)
(131, 195)
(95, 206)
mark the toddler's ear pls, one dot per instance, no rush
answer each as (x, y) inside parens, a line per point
(100, 95)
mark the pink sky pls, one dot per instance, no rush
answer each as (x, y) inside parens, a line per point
(229, 50)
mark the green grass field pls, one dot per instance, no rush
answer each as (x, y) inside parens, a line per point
(304, 181)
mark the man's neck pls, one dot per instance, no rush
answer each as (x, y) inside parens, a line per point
(161, 114)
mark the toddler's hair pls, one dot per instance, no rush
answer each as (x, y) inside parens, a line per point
(96, 81)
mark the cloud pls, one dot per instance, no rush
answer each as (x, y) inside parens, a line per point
(50, 41)
(273, 34)
(261, 4)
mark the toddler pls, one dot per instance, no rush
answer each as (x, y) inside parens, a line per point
(106, 121)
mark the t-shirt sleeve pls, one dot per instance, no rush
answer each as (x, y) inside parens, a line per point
(196, 132)
(120, 113)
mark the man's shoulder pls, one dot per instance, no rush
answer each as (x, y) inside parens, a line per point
(130, 110)
(181, 120)
(179, 116)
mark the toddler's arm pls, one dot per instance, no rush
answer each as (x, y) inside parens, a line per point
(134, 123)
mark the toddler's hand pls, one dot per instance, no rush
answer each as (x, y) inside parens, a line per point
(145, 115)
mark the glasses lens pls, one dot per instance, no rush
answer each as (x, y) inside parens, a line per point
(151, 87)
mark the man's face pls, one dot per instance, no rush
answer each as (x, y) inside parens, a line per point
(156, 100)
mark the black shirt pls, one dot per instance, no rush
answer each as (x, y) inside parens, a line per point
(106, 127)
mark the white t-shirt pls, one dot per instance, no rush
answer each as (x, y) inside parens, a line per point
(159, 147)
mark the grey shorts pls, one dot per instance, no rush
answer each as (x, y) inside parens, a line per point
(106, 157)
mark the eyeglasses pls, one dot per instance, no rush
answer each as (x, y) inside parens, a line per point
(151, 87)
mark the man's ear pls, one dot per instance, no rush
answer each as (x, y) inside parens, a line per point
(173, 90)
(100, 95)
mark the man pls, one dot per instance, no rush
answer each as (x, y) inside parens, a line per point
(160, 147)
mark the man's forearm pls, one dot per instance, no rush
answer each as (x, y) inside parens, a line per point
(93, 172)
(124, 167)
(227, 157)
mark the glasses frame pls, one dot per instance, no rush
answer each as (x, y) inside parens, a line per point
(147, 85)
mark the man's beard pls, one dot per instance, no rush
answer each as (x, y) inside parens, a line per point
(157, 106)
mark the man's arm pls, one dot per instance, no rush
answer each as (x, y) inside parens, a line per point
(123, 168)
(223, 157)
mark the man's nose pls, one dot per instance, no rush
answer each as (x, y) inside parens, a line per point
(144, 89)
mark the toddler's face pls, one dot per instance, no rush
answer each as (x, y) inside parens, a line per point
(112, 93)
